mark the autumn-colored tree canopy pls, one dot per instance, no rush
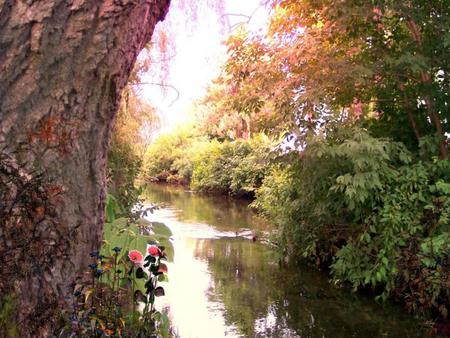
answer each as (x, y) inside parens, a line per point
(383, 64)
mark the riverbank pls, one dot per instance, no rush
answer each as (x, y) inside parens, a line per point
(234, 168)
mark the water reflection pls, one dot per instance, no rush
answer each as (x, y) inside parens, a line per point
(224, 286)
(193, 313)
(225, 214)
(262, 300)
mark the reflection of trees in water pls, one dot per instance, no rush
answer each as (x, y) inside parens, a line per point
(219, 211)
(242, 284)
(262, 300)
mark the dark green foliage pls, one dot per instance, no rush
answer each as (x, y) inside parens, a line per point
(123, 234)
(105, 303)
(370, 208)
(117, 280)
(123, 274)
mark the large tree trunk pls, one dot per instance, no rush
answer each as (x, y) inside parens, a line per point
(63, 64)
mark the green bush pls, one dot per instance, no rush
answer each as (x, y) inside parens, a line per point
(214, 165)
(228, 167)
(234, 167)
(250, 170)
(407, 233)
(169, 155)
(369, 208)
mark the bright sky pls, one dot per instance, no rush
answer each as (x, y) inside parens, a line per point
(199, 53)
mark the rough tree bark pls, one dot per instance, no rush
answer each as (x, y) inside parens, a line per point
(63, 64)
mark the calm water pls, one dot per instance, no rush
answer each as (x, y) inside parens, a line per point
(224, 285)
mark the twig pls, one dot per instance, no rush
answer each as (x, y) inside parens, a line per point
(161, 85)
(249, 18)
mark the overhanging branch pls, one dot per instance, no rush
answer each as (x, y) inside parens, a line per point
(164, 85)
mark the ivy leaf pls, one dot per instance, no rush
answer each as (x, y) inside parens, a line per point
(159, 291)
(140, 273)
(139, 296)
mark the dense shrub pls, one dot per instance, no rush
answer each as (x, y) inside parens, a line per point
(212, 166)
(234, 167)
(169, 155)
(250, 170)
(368, 207)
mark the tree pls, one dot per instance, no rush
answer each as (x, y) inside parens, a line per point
(240, 101)
(63, 65)
(382, 63)
(382, 57)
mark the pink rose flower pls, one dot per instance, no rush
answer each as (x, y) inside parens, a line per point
(154, 250)
(136, 257)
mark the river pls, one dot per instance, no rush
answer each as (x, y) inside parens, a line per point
(222, 284)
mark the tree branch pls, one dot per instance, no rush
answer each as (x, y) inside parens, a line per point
(248, 17)
(164, 85)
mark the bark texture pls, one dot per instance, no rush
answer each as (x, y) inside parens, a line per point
(63, 64)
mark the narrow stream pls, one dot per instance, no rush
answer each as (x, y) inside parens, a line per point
(222, 284)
